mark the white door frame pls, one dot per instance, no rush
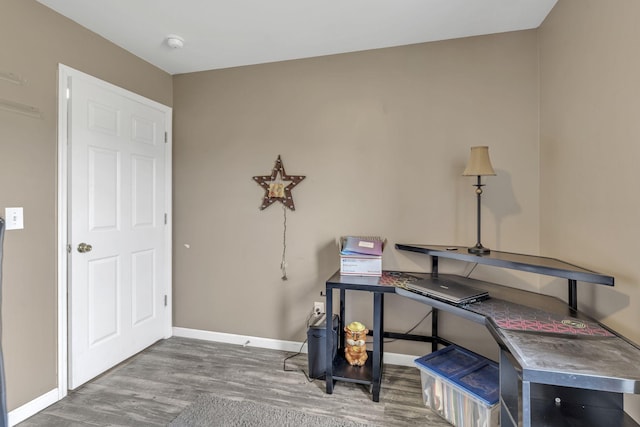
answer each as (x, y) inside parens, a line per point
(64, 73)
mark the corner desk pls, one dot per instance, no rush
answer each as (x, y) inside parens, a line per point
(558, 367)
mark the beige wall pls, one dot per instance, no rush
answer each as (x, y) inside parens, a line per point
(383, 137)
(590, 104)
(36, 40)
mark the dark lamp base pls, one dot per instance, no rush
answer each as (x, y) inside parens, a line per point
(479, 249)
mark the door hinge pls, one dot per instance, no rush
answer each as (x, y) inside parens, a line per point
(165, 300)
(165, 219)
(69, 248)
(166, 137)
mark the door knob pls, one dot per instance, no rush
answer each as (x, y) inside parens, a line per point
(83, 247)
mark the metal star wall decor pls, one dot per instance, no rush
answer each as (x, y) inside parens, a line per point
(275, 187)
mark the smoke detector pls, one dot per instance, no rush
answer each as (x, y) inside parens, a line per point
(174, 42)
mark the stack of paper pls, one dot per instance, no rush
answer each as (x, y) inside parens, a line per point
(361, 256)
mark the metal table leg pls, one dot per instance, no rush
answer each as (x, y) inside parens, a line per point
(329, 340)
(378, 307)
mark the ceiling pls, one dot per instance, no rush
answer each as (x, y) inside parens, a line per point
(230, 33)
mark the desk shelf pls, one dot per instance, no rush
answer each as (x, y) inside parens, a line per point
(531, 263)
(343, 371)
(547, 413)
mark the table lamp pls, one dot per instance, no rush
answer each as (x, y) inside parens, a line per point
(479, 165)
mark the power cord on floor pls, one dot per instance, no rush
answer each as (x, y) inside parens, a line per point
(284, 362)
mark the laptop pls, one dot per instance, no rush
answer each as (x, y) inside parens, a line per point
(447, 290)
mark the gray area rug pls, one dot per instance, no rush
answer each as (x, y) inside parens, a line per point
(211, 410)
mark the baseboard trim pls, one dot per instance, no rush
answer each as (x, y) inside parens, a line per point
(33, 407)
(243, 340)
(273, 344)
(399, 359)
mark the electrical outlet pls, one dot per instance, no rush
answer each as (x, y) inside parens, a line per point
(318, 308)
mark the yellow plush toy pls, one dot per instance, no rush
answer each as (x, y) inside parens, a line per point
(355, 350)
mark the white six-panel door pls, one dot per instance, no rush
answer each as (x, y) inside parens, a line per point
(116, 221)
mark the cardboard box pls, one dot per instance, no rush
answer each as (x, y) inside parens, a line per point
(461, 386)
(361, 256)
(361, 266)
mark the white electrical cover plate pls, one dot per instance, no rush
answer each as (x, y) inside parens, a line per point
(14, 219)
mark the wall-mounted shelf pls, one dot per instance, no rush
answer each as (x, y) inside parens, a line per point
(16, 107)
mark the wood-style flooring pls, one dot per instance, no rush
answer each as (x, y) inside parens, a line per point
(154, 386)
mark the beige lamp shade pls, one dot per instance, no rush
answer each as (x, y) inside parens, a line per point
(479, 163)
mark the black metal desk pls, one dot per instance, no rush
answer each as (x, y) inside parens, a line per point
(546, 379)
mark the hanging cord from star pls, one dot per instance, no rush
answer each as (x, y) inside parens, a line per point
(283, 263)
(276, 190)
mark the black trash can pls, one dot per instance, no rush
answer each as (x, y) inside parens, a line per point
(317, 346)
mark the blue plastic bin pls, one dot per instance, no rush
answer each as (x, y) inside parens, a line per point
(461, 386)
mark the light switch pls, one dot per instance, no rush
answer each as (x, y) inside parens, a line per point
(14, 219)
